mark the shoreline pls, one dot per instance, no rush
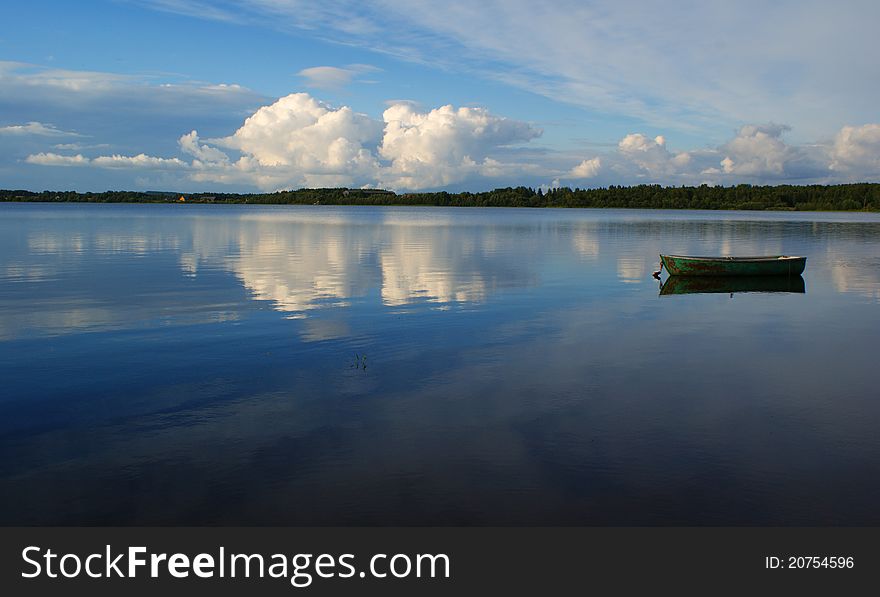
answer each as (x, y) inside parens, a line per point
(856, 197)
(391, 205)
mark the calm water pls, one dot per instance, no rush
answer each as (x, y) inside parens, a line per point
(320, 365)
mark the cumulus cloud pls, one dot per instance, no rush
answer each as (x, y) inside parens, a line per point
(636, 143)
(37, 129)
(299, 141)
(445, 145)
(652, 155)
(756, 154)
(856, 151)
(638, 158)
(586, 169)
(191, 145)
(757, 150)
(299, 131)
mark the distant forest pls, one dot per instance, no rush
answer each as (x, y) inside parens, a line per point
(845, 197)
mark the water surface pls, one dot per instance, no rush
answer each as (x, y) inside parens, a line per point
(171, 364)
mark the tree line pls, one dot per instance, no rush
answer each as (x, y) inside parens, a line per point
(844, 197)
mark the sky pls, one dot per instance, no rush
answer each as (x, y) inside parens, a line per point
(263, 95)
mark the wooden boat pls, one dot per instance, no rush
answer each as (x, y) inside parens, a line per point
(731, 284)
(776, 265)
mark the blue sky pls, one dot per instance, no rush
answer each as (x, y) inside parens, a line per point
(262, 95)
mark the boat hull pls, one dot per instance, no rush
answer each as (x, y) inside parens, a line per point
(779, 265)
(731, 284)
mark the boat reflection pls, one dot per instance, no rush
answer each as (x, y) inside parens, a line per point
(731, 284)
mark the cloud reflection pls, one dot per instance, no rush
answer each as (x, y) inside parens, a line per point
(862, 281)
(302, 264)
(64, 275)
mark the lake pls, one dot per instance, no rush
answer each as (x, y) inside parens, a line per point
(287, 365)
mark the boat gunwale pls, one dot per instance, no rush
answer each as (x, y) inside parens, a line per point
(773, 258)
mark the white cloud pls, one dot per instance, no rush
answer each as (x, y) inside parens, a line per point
(445, 145)
(640, 158)
(757, 150)
(140, 161)
(586, 169)
(298, 141)
(856, 151)
(756, 154)
(37, 129)
(54, 159)
(190, 144)
(651, 156)
(634, 143)
(332, 77)
(299, 131)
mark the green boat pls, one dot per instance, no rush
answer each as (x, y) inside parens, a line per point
(731, 284)
(776, 265)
